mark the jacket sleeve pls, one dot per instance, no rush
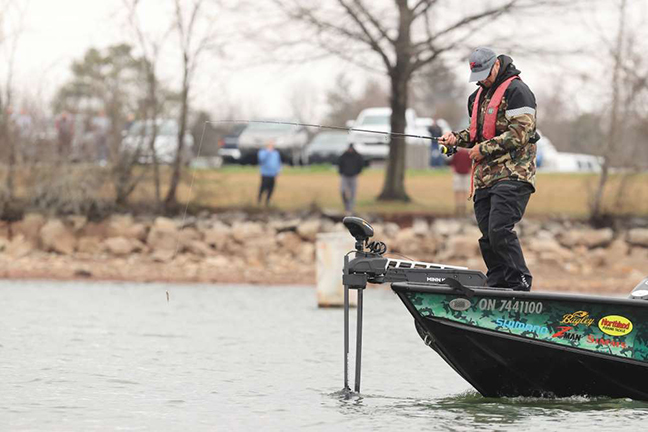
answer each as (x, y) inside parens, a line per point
(518, 120)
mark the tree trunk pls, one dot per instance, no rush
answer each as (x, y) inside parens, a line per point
(11, 163)
(614, 131)
(171, 199)
(152, 84)
(394, 186)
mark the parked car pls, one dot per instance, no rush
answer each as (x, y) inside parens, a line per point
(228, 145)
(376, 146)
(166, 141)
(551, 160)
(288, 139)
(326, 147)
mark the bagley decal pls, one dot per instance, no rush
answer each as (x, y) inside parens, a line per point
(615, 325)
(576, 318)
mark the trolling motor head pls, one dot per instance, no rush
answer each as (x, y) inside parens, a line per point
(359, 229)
(640, 292)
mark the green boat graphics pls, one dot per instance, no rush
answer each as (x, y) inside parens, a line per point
(614, 330)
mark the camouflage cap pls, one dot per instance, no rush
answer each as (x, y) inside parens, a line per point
(481, 61)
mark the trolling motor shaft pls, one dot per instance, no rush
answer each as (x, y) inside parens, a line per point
(361, 231)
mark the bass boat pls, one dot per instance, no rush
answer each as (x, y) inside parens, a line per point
(504, 342)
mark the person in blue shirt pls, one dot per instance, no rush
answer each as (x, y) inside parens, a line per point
(270, 165)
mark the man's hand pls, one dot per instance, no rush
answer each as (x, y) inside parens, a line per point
(448, 139)
(475, 154)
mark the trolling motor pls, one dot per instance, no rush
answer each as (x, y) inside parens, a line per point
(370, 266)
(362, 232)
(640, 292)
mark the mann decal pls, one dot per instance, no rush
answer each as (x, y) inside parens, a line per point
(565, 333)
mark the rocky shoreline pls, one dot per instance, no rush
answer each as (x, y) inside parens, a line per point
(279, 249)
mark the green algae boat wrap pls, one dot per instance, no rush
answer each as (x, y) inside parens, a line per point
(620, 330)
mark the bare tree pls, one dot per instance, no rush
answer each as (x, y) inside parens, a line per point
(404, 36)
(344, 106)
(150, 48)
(194, 40)
(11, 28)
(627, 85)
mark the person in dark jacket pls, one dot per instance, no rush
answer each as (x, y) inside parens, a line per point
(501, 138)
(350, 164)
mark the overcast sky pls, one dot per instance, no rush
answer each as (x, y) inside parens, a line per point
(57, 32)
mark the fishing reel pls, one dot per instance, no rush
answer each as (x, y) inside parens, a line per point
(447, 150)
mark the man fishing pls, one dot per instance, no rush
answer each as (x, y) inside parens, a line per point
(501, 138)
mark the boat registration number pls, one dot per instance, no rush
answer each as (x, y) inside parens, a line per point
(510, 305)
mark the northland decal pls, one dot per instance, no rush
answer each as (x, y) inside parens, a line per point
(586, 326)
(615, 325)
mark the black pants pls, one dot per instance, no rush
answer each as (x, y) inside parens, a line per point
(498, 209)
(267, 186)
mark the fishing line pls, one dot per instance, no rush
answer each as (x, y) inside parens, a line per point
(444, 149)
(184, 216)
(348, 129)
(193, 178)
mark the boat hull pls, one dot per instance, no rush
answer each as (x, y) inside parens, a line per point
(512, 344)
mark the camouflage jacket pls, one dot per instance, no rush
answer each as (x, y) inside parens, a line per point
(511, 154)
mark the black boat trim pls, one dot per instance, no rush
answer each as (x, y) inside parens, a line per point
(514, 295)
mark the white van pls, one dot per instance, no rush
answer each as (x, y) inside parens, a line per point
(551, 160)
(166, 141)
(376, 146)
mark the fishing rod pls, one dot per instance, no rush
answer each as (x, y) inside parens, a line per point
(444, 149)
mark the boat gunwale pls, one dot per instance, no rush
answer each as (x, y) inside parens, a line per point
(507, 293)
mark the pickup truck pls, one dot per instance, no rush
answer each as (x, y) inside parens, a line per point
(376, 146)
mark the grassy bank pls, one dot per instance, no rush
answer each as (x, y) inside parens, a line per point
(430, 190)
(236, 187)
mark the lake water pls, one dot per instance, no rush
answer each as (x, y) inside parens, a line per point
(118, 356)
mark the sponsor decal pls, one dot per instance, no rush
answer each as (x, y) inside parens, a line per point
(605, 342)
(510, 305)
(491, 110)
(519, 325)
(564, 333)
(615, 325)
(460, 304)
(576, 318)
(434, 279)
